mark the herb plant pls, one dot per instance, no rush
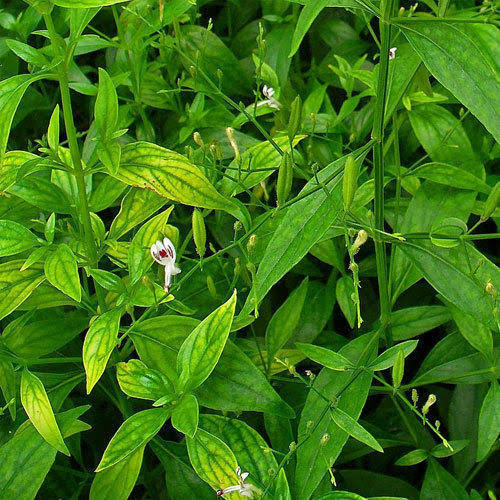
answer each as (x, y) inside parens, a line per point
(248, 249)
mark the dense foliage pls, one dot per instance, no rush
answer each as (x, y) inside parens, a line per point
(248, 249)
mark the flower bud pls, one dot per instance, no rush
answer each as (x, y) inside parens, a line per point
(232, 141)
(252, 241)
(285, 178)
(211, 287)
(199, 232)
(414, 396)
(349, 182)
(437, 424)
(324, 439)
(491, 203)
(430, 401)
(292, 446)
(309, 425)
(359, 241)
(490, 289)
(198, 140)
(295, 119)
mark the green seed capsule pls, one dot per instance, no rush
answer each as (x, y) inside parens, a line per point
(285, 178)
(492, 202)
(199, 232)
(295, 119)
(350, 182)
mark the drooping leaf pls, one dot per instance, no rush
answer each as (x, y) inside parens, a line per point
(37, 405)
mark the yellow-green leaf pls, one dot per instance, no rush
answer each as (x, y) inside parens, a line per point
(201, 351)
(99, 343)
(61, 269)
(186, 414)
(135, 432)
(173, 176)
(37, 405)
(15, 238)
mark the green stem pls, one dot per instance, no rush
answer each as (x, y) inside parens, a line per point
(378, 156)
(83, 209)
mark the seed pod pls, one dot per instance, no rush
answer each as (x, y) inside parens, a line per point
(285, 178)
(349, 182)
(199, 232)
(492, 202)
(295, 119)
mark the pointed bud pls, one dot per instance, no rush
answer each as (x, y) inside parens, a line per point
(199, 232)
(414, 396)
(295, 120)
(285, 178)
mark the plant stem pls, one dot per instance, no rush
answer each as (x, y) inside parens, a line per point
(83, 209)
(378, 157)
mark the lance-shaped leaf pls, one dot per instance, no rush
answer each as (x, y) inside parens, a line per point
(388, 357)
(117, 482)
(61, 269)
(37, 405)
(326, 357)
(201, 351)
(85, 4)
(15, 238)
(106, 106)
(489, 421)
(135, 432)
(213, 460)
(446, 50)
(8, 385)
(173, 176)
(16, 286)
(186, 414)
(351, 426)
(99, 343)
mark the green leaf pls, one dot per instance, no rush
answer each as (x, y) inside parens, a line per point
(8, 385)
(250, 450)
(137, 205)
(398, 369)
(107, 280)
(53, 130)
(344, 292)
(37, 405)
(388, 357)
(26, 53)
(106, 106)
(11, 92)
(439, 484)
(10, 165)
(16, 286)
(200, 352)
(139, 254)
(135, 432)
(236, 384)
(26, 458)
(478, 335)
(118, 481)
(449, 271)
(412, 458)
(185, 415)
(61, 270)
(99, 343)
(138, 381)
(284, 321)
(326, 357)
(303, 225)
(446, 50)
(212, 460)
(442, 451)
(313, 460)
(15, 238)
(351, 426)
(449, 175)
(489, 421)
(412, 321)
(85, 4)
(172, 176)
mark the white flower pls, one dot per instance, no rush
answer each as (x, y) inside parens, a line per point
(244, 489)
(392, 53)
(163, 252)
(270, 101)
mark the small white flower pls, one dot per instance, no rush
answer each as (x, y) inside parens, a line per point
(163, 252)
(392, 53)
(269, 92)
(244, 489)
